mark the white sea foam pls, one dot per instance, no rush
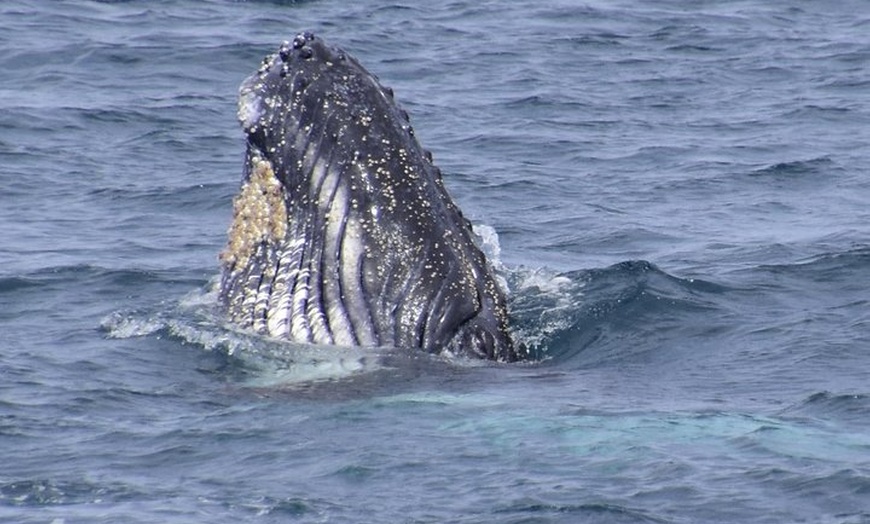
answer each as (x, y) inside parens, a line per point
(486, 239)
(122, 325)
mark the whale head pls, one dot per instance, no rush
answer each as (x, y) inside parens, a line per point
(343, 232)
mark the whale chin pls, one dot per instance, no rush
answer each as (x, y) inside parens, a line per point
(342, 231)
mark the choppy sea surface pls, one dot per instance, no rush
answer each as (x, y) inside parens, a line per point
(678, 194)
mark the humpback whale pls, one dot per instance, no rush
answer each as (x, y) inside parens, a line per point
(343, 232)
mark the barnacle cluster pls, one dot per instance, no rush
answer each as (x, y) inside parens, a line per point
(259, 214)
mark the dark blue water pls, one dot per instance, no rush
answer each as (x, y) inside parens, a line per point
(681, 198)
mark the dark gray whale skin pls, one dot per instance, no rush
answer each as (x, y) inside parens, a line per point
(343, 232)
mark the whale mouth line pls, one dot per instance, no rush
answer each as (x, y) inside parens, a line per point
(342, 231)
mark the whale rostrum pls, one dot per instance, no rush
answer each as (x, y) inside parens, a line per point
(342, 231)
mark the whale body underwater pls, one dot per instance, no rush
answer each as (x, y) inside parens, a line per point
(343, 232)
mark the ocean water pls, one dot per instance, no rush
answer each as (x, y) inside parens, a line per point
(677, 193)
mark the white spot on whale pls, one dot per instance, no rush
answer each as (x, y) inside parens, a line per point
(250, 107)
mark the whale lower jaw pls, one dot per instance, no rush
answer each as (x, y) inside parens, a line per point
(281, 284)
(342, 231)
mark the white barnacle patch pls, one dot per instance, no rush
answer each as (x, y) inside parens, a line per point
(250, 108)
(259, 215)
(364, 119)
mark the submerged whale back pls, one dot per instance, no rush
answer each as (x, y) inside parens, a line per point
(343, 232)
